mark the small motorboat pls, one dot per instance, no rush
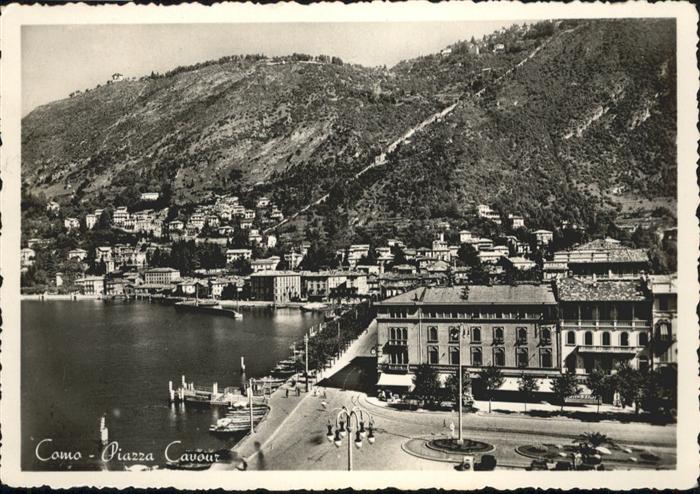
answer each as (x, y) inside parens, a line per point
(314, 307)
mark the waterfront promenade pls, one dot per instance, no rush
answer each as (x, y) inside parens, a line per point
(299, 442)
(283, 404)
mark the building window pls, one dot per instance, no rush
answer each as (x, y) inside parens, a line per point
(522, 336)
(588, 338)
(606, 339)
(499, 357)
(498, 335)
(663, 303)
(454, 355)
(643, 339)
(545, 357)
(521, 357)
(432, 333)
(433, 355)
(624, 339)
(643, 364)
(454, 334)
(663, 331)
(571, 338)
(546, 336)
(476, 334)
(399, 357)
(476, 357)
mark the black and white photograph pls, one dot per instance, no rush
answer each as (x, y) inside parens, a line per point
(440, 245)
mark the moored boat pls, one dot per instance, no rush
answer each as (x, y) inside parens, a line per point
(207, 307)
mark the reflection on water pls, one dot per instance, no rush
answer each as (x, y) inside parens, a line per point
(83, 359)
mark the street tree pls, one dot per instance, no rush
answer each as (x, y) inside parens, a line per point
(452, 388)
(528, 385)
(629, 383)
(600, 384)
(564, 386)
(427, 386)
(491, 379)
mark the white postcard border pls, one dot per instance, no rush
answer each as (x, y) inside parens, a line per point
(10, 100)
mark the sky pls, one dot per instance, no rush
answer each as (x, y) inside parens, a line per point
(57, 60)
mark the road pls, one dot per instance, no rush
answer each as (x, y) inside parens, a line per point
(301, 443)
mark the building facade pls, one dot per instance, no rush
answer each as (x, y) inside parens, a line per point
(603, 324)
(161, 276)
(275, 286)
(664, 319)
(512, 327)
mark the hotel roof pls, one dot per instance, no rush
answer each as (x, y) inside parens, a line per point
(576, 290)
(527, 294)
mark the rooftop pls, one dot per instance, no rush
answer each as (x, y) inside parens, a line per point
(573, 290)
(261, 274)
(664, 283)
(529, 294)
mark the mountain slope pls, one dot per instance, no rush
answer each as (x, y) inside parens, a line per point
(565, 120)
(591, 115)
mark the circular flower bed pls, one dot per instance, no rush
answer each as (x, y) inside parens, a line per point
(449, 445)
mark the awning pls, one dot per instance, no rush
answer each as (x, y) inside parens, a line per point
(513, 384)
(396, 380)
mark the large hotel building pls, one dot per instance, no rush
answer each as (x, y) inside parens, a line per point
(511, 326)
(570, 324)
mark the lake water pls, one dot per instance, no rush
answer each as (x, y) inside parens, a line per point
(83, 359)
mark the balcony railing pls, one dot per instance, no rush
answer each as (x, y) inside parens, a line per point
(606, 349)
(397, 343)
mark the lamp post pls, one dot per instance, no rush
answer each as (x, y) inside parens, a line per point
(306, 360)
(460, 438)
(344, 426)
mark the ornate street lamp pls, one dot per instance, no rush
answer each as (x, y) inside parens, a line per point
(344, 421)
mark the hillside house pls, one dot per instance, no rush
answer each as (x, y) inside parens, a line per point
(293, 259)
(120, 216)
(267, 264)
(520, 263)
(90, 221)
(543, 237)
(516, 220)
(446, 52)
(27, 257)
(150, 196)
(53, 207)
(77, 254)
(233, 255)
(499, 48)
(71, 224)
(485, 211)
(176, 226)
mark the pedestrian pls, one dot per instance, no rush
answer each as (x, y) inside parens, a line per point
(452, 429)
(286, 392)
(324, 393)
(298, 391)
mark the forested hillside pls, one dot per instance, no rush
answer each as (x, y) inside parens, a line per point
(556, 121)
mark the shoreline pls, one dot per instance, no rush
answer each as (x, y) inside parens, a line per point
(229, 304)
(57, 296)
